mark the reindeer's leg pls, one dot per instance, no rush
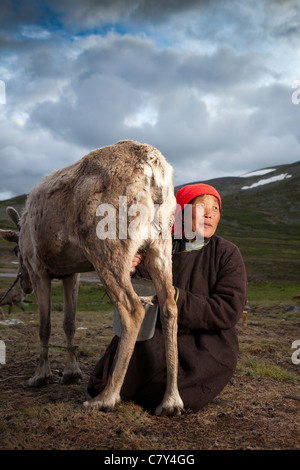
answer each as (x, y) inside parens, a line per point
(131, 314)
(2, 313)
(158, 262)
(42, 290)
(72, 373)
(20, 306)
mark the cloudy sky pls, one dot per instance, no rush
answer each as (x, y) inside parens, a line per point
(209, 83)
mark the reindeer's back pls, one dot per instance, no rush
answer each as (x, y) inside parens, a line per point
(125, 168)
(66, 201)
(109, 170)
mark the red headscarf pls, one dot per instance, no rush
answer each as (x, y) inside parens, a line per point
(189, 192)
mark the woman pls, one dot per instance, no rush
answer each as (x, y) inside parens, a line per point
(210, 289)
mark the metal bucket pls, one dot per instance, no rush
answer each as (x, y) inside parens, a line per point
(147, 295)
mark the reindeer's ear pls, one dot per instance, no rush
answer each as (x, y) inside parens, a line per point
(14, 215)
(9, 235)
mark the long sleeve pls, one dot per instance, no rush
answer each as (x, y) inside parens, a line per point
(223, 306)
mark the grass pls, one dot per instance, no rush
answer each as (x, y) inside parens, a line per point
(267, 256)
(265, 344)
(273, 292)
(91, 297)
(258, 368)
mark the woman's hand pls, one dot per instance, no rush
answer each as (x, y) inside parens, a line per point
(138, 257)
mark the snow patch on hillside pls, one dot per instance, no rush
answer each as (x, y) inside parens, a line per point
(258, 172)
(273, 179)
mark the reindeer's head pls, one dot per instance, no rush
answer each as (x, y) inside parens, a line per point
(12, 236)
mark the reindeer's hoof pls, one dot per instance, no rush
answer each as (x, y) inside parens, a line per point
(89, 405)
(97, 403)
(70, 378)
(38, 381)
(170, 409)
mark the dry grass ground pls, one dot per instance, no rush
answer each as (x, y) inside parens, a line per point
(259, 409)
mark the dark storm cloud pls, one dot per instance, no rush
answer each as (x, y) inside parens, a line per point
(208, 83)
(124, 72)
(91, 12)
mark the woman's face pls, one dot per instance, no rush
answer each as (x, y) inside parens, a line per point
(205, 215)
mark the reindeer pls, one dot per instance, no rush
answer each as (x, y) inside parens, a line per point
(13, 297)
(59, 238)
